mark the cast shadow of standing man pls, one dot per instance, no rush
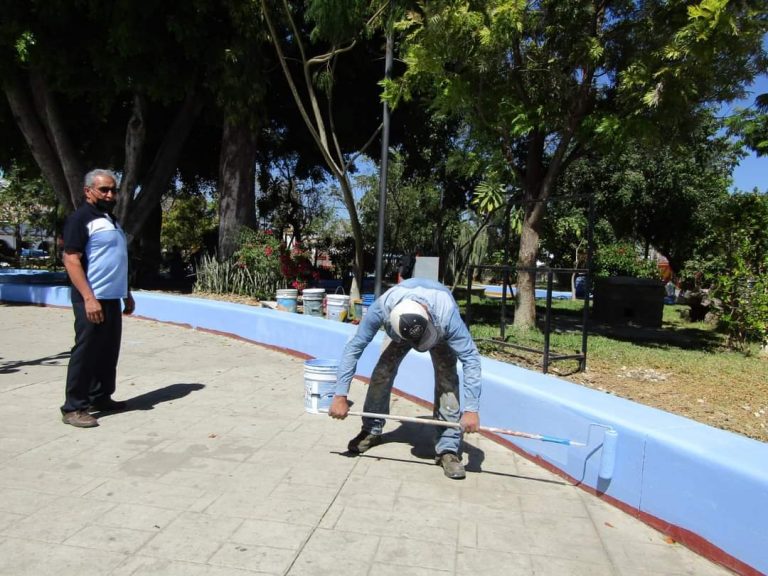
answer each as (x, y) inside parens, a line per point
(149, 400)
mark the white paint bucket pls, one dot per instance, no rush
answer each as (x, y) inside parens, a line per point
(313, 301)
(287, 299)
(319, 384)
(337, 307)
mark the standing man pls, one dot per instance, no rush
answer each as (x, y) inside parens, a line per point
(416, 314)
(96, 260)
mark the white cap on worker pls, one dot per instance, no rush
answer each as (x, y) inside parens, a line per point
(411, 322)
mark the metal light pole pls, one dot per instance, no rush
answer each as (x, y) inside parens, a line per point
(383, 171)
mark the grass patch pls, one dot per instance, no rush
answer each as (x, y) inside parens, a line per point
(682, 367)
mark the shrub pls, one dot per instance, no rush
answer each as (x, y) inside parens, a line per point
(260, 266)
(742, 292)
(296, 267)
(622, 259)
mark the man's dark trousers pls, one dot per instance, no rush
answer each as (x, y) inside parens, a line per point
(92, 367)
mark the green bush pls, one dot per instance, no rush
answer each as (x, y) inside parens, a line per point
(260, 266)
(742, 292)
(622, 259)
(231, 277)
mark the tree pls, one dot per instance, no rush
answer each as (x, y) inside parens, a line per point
(187, 220)
(731, 259)
(657, 196)
(26, 203)
(240, 85)
(544, 83)
(288, 201)
(751, 124)
(413, 211)
(337, 28)
(60, 82)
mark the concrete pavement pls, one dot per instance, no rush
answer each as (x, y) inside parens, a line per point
(218, 470)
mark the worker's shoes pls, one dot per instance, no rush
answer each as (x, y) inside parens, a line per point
(363, 442)
(79, 418)
(452, 466)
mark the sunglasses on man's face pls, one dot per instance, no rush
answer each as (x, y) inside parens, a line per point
(105, 189)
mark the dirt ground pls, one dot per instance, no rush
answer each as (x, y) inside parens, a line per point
(741, 406)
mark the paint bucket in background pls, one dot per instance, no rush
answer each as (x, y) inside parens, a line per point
(337, 307)
(319, 384)
(287, 299)
(368, 300)
(313, 301)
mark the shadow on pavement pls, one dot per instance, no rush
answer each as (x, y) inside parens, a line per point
(149, 400)
(11, 366)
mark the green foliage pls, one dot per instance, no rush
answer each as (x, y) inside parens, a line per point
(261, 265)
(490, 195)
(186, 223)
(267, 264)
(751, 125)
(732, 219)
(231, 277)
(413, 212)
(742, 291)
(732, 261)
(623, 259)
(27, 203)
(259, 257)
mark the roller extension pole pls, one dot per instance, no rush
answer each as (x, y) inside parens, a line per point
(430, 422)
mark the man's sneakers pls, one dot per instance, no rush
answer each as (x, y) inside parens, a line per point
(363, 442)
(80, 419)
(452, 466)
(451, 463)
(107, 405)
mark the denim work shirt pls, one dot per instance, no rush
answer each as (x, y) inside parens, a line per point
(445, 316)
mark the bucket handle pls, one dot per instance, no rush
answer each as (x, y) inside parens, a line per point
(342, 290)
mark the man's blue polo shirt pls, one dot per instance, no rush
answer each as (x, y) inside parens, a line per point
(98, 237)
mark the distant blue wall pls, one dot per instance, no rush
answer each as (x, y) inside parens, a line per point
(707, 482)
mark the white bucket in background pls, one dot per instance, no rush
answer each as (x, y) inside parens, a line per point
(319, 384)
(337, 307)
(313, 301)
(287, 299)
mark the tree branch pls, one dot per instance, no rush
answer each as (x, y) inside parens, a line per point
(23, 110)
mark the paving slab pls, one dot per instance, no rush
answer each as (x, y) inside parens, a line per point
(216, 469)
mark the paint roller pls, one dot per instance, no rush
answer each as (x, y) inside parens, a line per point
(607, 457)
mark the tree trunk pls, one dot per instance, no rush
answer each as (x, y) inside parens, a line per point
(32, 127)
(147, 250)
(237, 178)
(525, 300)
(53, 123)
(135, 138)
(357, 235)
(158, 178)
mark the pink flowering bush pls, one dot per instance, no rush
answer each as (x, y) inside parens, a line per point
(259, 260)
(296, 267)
(271, 264)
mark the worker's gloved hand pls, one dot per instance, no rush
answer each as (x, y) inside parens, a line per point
(470, 422)
(339, 408)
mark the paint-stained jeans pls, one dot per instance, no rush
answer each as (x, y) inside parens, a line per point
(446, 400)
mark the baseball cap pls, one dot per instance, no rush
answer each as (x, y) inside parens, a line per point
(411, 322)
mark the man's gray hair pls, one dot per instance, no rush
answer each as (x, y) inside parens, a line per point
(91, 176)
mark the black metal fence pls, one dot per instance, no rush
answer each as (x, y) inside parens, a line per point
(548, 357)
